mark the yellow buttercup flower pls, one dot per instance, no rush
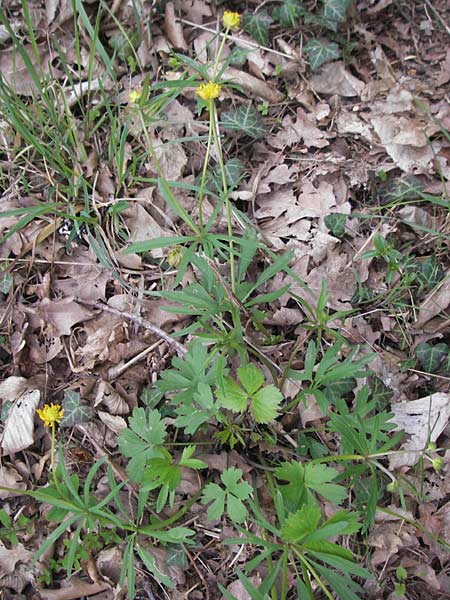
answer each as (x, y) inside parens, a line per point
(51, 414)
(208, 91)
(134, 96)
(231, 20)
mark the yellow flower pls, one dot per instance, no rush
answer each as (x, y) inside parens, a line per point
(208, 91)
(231, 20)
(134, 96)
(51, 414)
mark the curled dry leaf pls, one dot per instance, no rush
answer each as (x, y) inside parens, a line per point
(18, 431)
(335, 79)
(253, 85)
(114, 423)
(107, 395)
(424, 420)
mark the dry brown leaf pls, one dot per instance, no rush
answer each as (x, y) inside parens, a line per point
(18, 431)
(10, 478)
(143, 226)
(436, 302)
(335, 79)
(114, 423)
(405, 141)
(237, 589)
(16, 73)
(303, 130)
(253, 85)
(173, 28)
(57, 317)
(424, 420)
(9, 557)
(114, 402)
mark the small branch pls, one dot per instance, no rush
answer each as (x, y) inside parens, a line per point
(180, 349)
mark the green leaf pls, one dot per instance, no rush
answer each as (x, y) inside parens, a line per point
(264, 404)
(217, 495)
(321, 52)
(289, 13)
(244, 119)
(140, 443)
(150, 563)
(335, 222)
(233, 397)
(335, 391)
(430, 357)
(318, 478)
(251, 378)
(430, 273)
(300, 524)
(257, 25)
(235, 492)
(335, 10)
(74, 411)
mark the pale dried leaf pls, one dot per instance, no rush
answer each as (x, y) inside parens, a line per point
(253, 85)
(424, 420)
(302, 130)
(9, 557)
(57, 317)
(437, 301)
(10, 478)
(107, 395)
(335, 79)
(405, 141)
(15, 72)
(12, 388)
(19, 425)
(114, 423)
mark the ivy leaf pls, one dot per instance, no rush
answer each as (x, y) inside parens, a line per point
(335, 391)
(430, 272)
(335, 10)
(257, 25)
(336, 224)
(234, 171)
(265, 403)
(74, 411)
(431, 357)
(141, 442)
(321, 52)
(288, 13)
(245, 119)
(300, 524)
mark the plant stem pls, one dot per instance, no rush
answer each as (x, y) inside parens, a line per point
(205, 164)
(219, 53)
(225, 192)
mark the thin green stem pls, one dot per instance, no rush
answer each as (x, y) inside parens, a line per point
(205, 164)
(181, 211)
(219, 53)
(284, 576)
(225, 192)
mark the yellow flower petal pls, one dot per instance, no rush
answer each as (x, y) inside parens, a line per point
(208, 91)
(134, 96)
(51, 414)
(231, 20)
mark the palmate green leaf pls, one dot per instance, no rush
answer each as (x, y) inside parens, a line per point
(335, 222)
(233, 396)
(257, 25)
(215, 494)
(265, 403)
(141, 442)
(300, 524)
(74, 411)
(430, 357)
(251, 378)
(320, 52)
(318, 478)
(289, 13)
(245, 119)
(231, 479)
